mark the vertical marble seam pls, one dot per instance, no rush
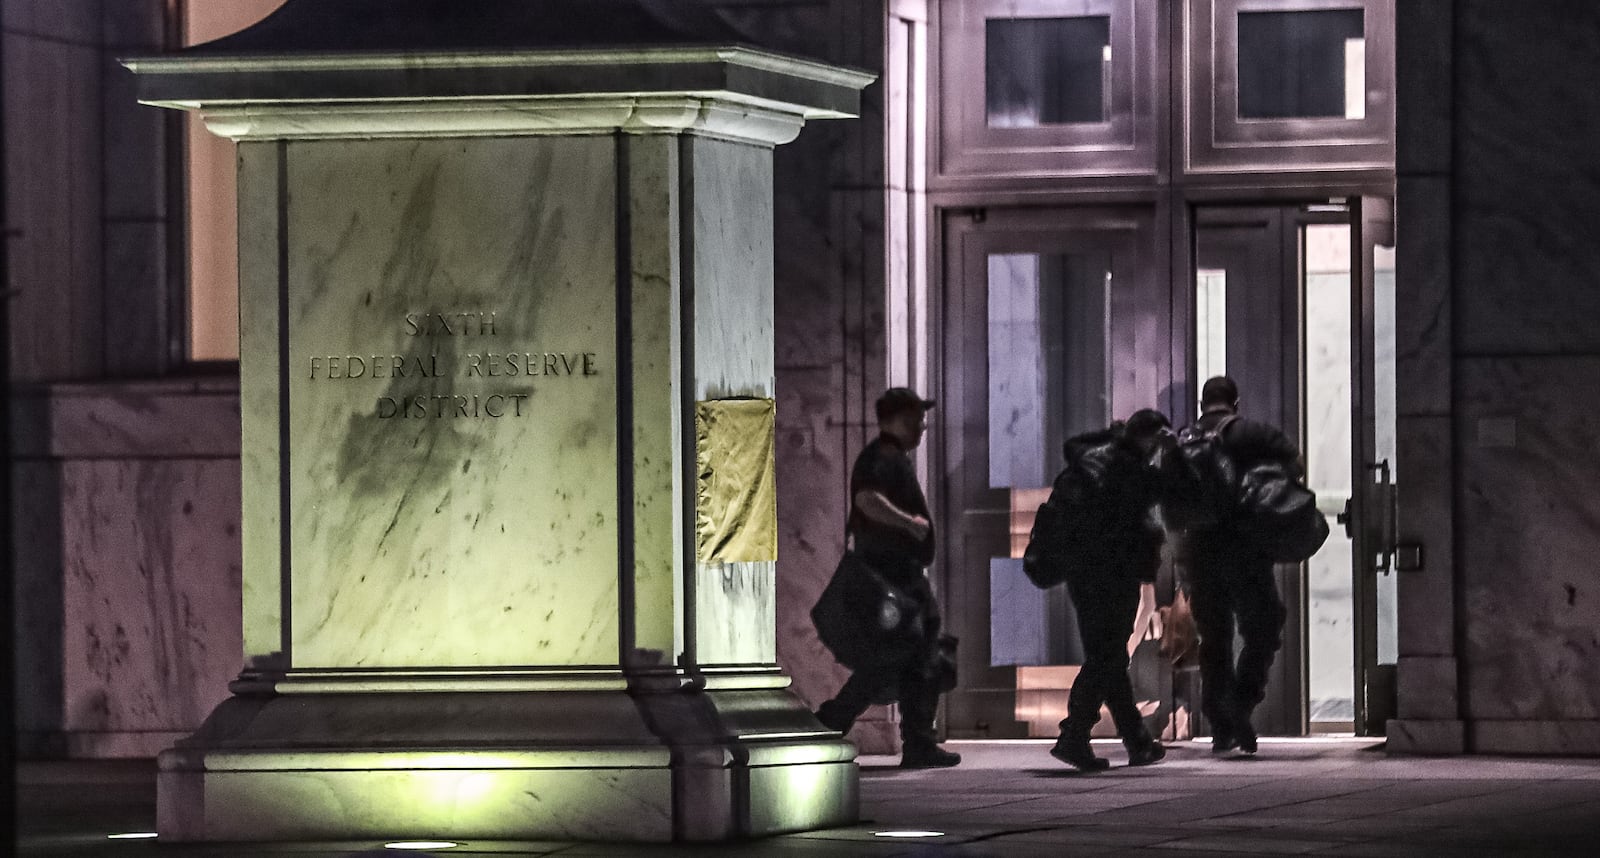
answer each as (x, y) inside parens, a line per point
(1458, 595)
(285, 545)
(687, 457)
(622, 221)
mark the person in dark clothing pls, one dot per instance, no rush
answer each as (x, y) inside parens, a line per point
(1125, 555)
(1230, 583)
(890, 528)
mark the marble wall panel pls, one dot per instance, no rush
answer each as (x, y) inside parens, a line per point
(1423, 335)
(136, 177)
(735, 613)
(37, 555)
(53, 199)
(730, 192)
(732, 269)
(1529, 529)
(813, 477)
(146, 419)
(1526, 116)
(136, 332)
(793, 26)
(657, 389)
(1428, 688)
(1422, 72)
(808, 294)
(75, 21)
(132, 24)
(1536, 737)
(1424, 473)
(1425, 737)
(859, 237)
(449, 536)
(259, 405)
(151, 592)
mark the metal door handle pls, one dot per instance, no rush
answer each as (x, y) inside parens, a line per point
(1384, 497)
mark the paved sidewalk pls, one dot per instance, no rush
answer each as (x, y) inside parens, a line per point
(1297, 797)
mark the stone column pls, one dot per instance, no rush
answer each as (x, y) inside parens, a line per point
(506, 381)
(1429, 716)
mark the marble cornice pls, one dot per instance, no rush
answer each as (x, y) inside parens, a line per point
(189, 64)
(728, 92)
(706, 114)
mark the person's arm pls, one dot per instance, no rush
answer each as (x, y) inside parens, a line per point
(878, 509)
(1147, 622)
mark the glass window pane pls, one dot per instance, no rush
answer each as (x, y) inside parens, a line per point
(1330, 611)
(1211, 323)
(1046, 71)
(1385, 416)
(1302, 64)
(1048, 373)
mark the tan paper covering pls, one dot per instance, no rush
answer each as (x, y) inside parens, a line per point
(736, 497)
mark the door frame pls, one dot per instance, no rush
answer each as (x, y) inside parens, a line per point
(1372, 501)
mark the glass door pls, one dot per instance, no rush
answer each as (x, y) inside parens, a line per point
(1054, 324)
(1296, 304)
(1247, 326)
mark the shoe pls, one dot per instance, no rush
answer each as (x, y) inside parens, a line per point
(1079, 756)
(927, 757)
(1245, 737)
(1147, 753)
(1223, 742)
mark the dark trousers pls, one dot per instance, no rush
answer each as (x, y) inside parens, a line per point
(913, 683)
(1227, 587)
(1105, 620)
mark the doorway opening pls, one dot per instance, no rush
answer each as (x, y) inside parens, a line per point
(1296, 304)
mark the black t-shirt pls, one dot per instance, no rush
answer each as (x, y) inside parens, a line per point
(885, 468)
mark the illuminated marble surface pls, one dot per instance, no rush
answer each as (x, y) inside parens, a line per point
(1305, 797)
(400, 553)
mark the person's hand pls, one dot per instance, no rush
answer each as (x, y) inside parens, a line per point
(919, 528)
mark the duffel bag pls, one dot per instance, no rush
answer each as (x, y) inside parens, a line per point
(1278, 515)
(865, 620)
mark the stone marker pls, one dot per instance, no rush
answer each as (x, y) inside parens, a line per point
(506, 363)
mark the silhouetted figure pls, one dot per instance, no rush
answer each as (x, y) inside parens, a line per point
(891, 532)
(1108, 545)
(1231, 582)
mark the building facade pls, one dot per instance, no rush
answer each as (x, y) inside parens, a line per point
(1373, 213)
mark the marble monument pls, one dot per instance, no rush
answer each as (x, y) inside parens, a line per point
(506, 364)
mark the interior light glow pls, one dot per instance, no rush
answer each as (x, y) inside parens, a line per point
(133, 835)
(421, 844)
(908, 834)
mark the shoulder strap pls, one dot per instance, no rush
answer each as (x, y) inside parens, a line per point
(1224, 423)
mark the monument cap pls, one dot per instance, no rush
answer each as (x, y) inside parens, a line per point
(898, 399)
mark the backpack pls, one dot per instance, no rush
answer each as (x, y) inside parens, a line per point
(1202, 482)
(1069, 527)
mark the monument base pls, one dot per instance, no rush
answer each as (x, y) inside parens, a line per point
(686, 764)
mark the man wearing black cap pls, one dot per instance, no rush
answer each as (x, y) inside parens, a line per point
(891, 532)
(1230, 580)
